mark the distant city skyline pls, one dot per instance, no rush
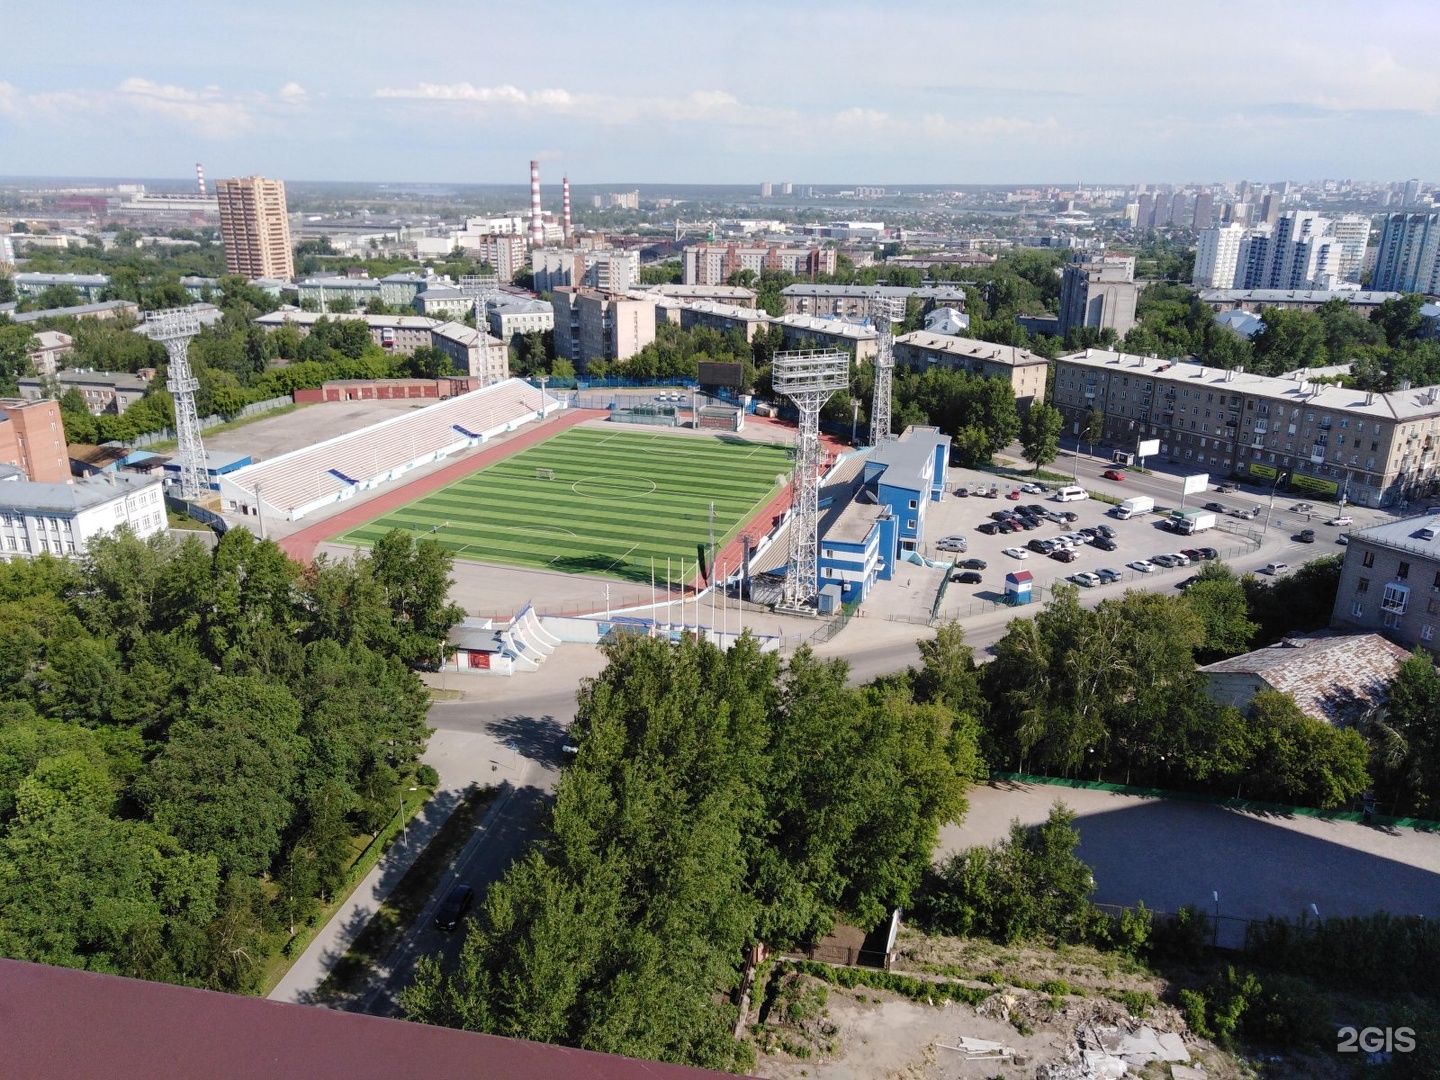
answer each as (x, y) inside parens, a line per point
(1113, 92)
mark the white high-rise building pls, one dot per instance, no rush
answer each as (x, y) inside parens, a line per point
(1353, 233)
(1217, 256)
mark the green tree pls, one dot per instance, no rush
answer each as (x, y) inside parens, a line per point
(415, 579)
(1040, 434)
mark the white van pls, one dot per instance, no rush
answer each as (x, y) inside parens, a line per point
(1071, 493)
(1276, 568)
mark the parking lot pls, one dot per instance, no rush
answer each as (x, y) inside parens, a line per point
(1238, 541)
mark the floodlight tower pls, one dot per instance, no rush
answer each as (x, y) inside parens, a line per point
(174, 328)
(882, 311)
(807, 378)
(482, 289)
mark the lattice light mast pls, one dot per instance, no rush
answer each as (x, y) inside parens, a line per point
(882, 311)
(483, 289)
(807, 378)
(174, 328)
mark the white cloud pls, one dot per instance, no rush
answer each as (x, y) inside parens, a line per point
(211, 111)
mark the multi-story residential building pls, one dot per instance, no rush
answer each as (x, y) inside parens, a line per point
(51, 347)
(32, 439)
(1390, 582)
(473, 353)
(440, 299)
(1204, 211)
(62, 518)
(1352, 231)
(103, 309)
(512, 317)
(255, 227)
(858, 301)
(1408, 257)
(1297, 252)
(1023, 370)
(397, 334)
(602, 269)
(322, 292)
(104, 392)
(1217, 256)
(89, 286)
(734, 295)
(1373, 449)
(1361, 301)
(592, 325)
(505, 253)
(712, 264)
(1099, 291)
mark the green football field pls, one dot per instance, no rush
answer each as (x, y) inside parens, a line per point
(595, 501)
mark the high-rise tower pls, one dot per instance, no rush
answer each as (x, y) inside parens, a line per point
(255, 226)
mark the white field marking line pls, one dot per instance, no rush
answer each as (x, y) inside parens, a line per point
(622, 558)
(601, 477)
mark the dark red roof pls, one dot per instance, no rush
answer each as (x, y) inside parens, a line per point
(58, 1023)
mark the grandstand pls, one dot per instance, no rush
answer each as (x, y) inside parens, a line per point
(301, 482)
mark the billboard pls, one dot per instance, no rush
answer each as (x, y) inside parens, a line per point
(1147, 448)
(1313, 485)
(1189, 485)
(714, 373)
(1265, 472)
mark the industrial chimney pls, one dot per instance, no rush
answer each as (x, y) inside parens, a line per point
(537, 226)
(200, 177)
(565, 199)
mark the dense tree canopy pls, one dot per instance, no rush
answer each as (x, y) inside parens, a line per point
(190, 739)
(716, 800)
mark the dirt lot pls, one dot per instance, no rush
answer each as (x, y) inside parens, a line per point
(1039, 1000)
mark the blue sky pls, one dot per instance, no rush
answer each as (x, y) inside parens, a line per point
(909, 91)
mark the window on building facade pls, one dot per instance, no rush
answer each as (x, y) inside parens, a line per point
(1403, 572)
(1395, 599)
(1426, 632)
(1368, 559)
(1357, 609)
(1363, 585)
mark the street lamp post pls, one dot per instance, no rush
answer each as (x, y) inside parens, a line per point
(1273, 488)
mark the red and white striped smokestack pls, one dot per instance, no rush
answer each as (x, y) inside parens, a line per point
(537, 226)
(200, 177)
(565, 193)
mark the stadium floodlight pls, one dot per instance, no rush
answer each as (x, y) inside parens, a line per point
(173, 328)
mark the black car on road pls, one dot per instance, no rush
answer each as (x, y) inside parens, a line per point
(457, 902)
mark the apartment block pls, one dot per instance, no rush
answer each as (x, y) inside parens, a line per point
(859, 301)
(1024, 370)
(1217, 256)
(712, 264)
(1099, 291)
(1390, 582)
(32, 439)
(592, 325)
(1329, 441)
(255, 227)
(1408, 258)
(61, 518)
(504, 252)
(104, 392)
(604, 270)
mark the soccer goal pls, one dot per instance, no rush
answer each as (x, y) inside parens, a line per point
(544, 474)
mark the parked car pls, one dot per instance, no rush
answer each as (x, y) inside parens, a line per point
(1275, 568)
(1249, 514)
(452, 909)
(1064, 555)
(1027, 522)
(1105, 531)
(1343, 539)
(1040, 547)
(968, 577)
(1342, 520)
(999, 515)
(1193, 554)
(951, 543)
(1069, 515)
(1036, 509)
(989, 528)
(987, 493)
(1209, 554)
(1113, 474)
(1166, 560)
(1217, 507)
(1008, 526)
(1032, 489)
(1089, 533)
(971, 564)
(1104, 543)
(1085, 579)
(1223, 488)
(1145, 566)
(1183, 585)
(1107, 575)
(962, 492)
(1016, 553)
(1181, 559)
(1305, 536)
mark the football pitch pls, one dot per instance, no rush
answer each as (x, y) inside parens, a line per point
(594, 501)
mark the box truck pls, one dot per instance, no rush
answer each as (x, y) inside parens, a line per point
(1190, 522)
(1141, 504)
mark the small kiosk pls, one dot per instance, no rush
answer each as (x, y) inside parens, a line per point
(1017, 587)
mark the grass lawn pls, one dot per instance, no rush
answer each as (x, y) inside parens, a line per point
(617, 500)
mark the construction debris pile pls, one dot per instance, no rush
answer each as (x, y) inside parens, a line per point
(1107, 1053)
